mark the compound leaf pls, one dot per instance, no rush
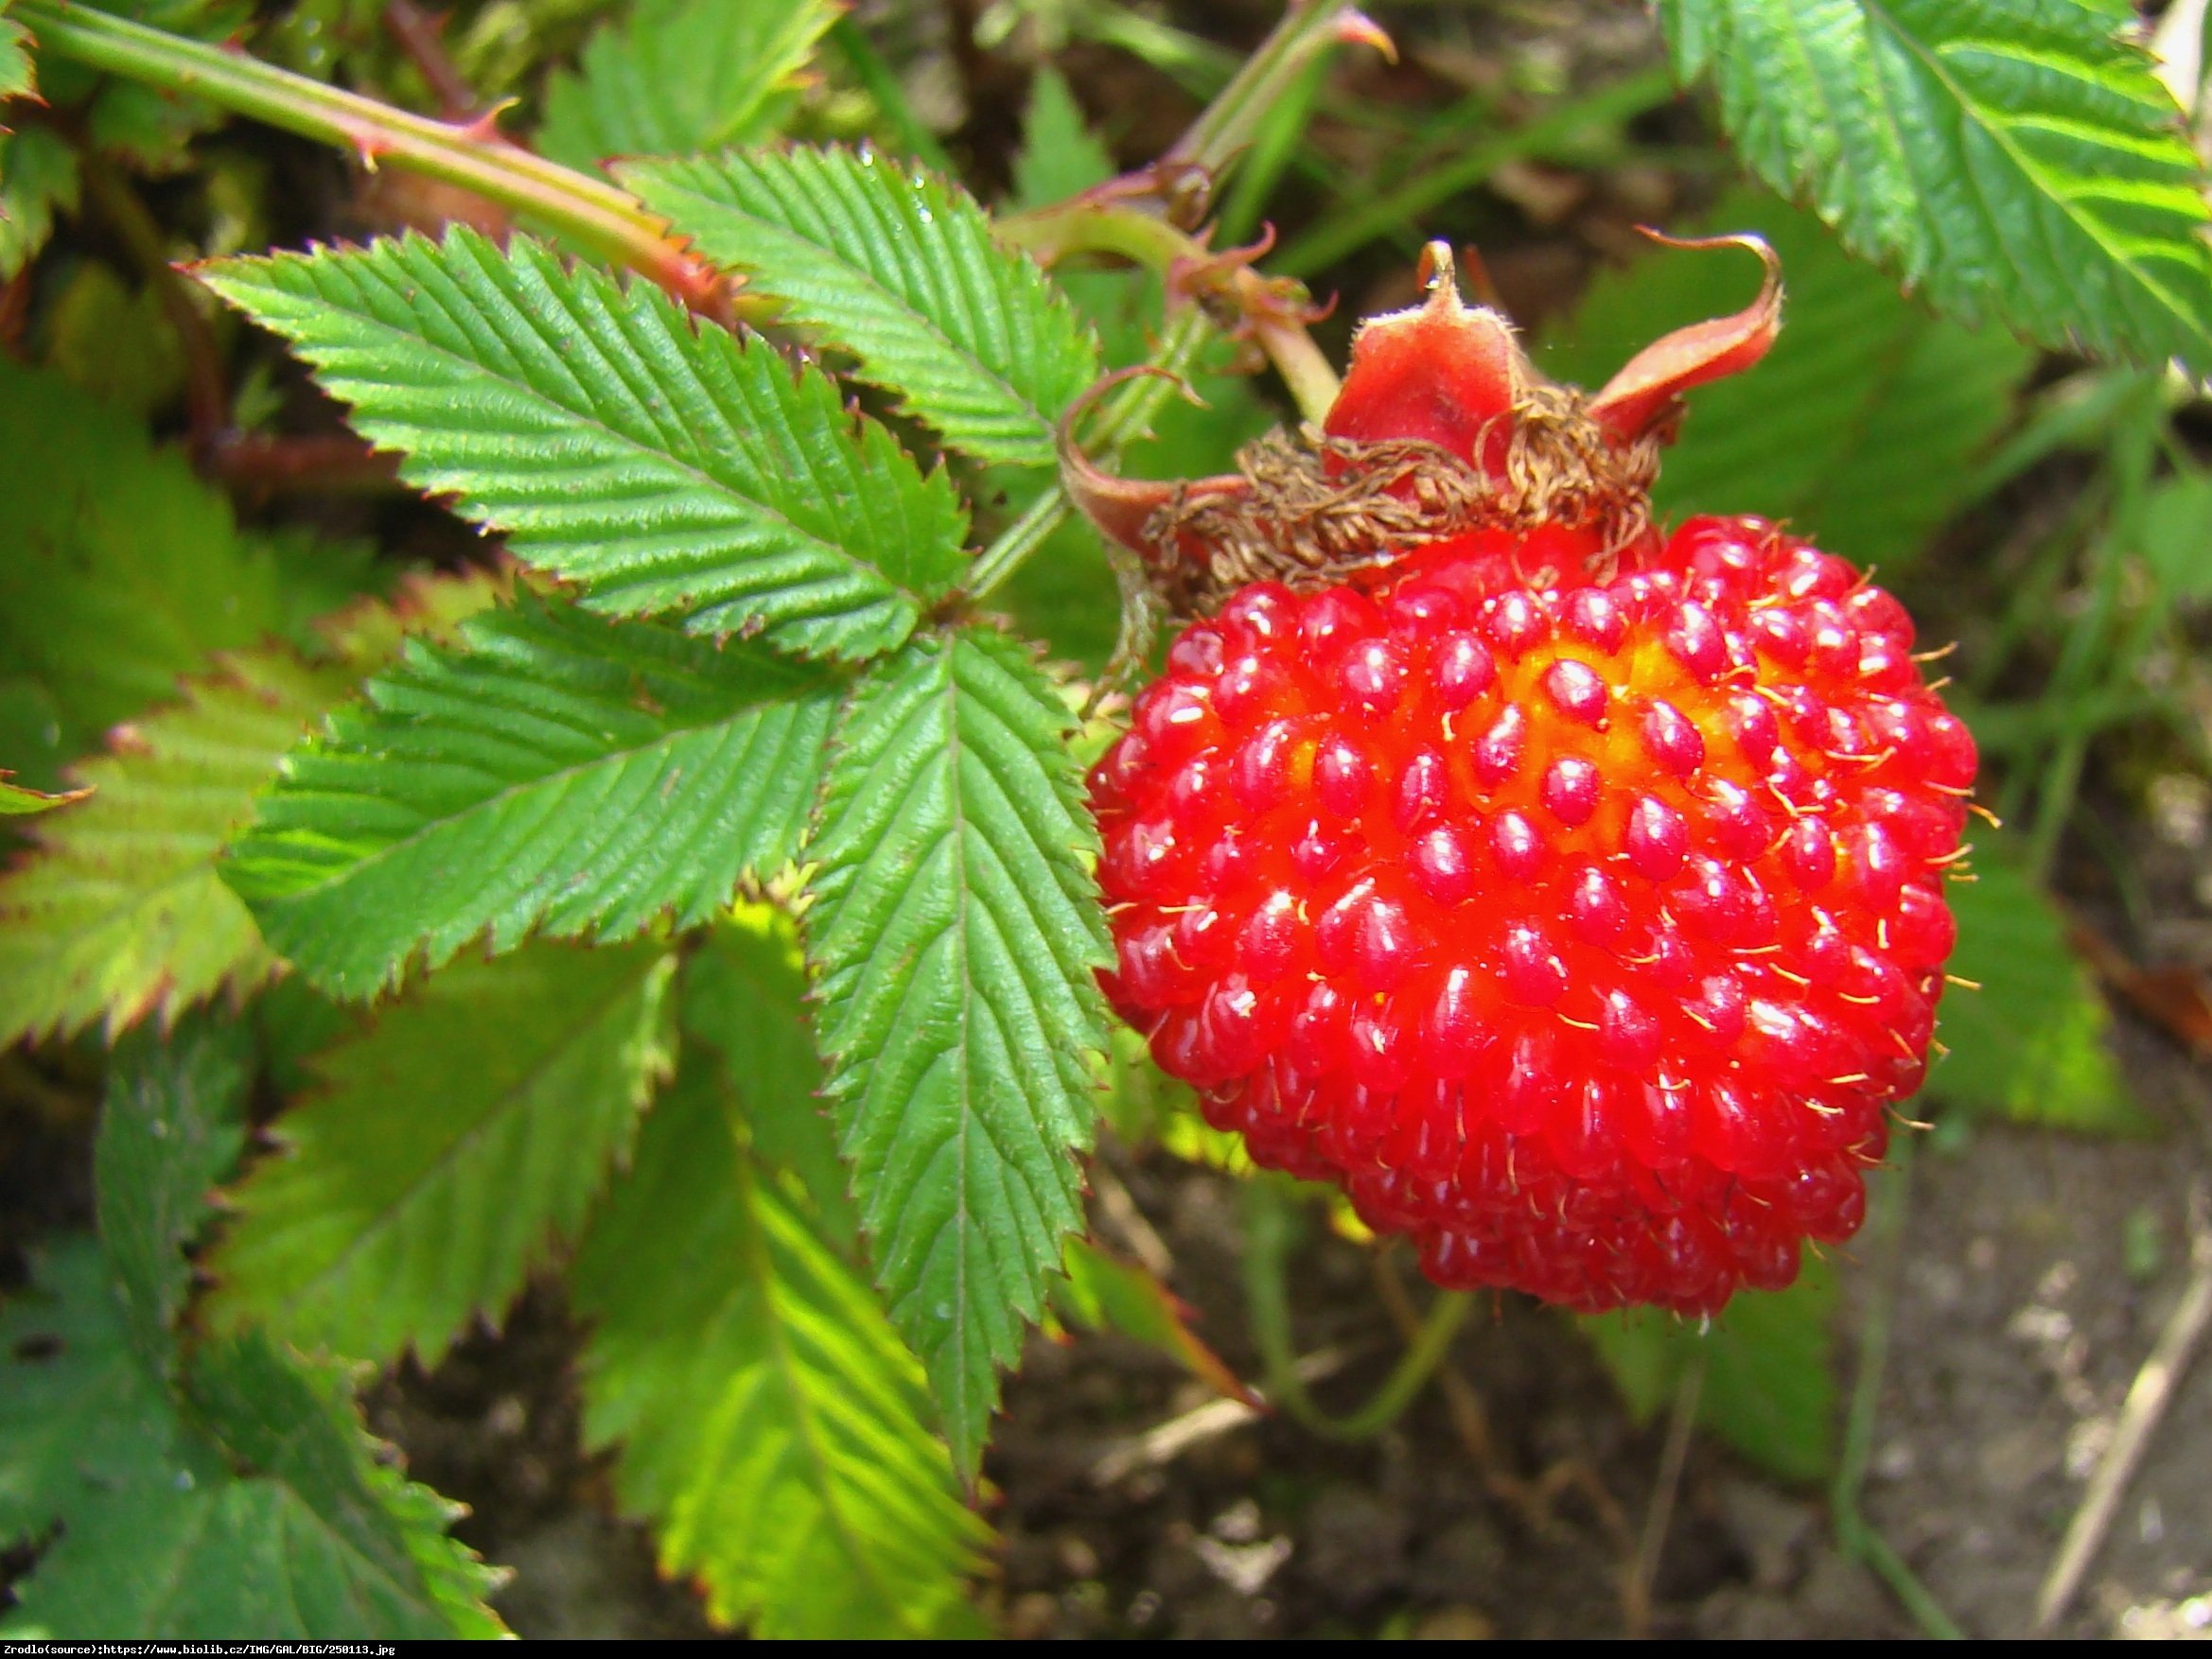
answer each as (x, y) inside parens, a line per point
(663, 466)
(900, 269)
(553, 770)
(678, 76)
(2014, 158)
(452, 1141)
(769, 1420)
(956, 931)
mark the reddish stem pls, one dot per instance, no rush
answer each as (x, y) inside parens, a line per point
(208, 396)
(258, 465)
(422, 36)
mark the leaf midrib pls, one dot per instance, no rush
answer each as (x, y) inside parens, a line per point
(806, 1431)
(558, 780)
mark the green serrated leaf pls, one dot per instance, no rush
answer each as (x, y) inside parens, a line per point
(285, 1524)
(555, 771)
(470, 1128)
(2031, 1044)
(295, 1427)
(663, 466)
(117, 912)
(956, 931)
(171, 1127)
(769, 1422)
(1858, 428)
(678, 76)
(80, 1414)
(123, 571)
(17, 79)
(1060, 156)
(17, 802)
(900, 269)
(38, 176)
(745, 997)
(1769, 1385)
(2018, 161)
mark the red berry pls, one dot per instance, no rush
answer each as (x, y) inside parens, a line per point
(1643, 1007)
(1568, 894)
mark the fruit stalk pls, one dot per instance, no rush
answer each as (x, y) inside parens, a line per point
(1268, 1240)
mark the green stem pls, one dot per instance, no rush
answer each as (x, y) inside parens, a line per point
(1050, 235)
(1347, 232)
(1127, 414)
(1222, 130)
(1854, 1534)
(1269, 1235)
(588, 212)
(1275, 146)
(1020, 538)
(2089, 644)
(1274, 309)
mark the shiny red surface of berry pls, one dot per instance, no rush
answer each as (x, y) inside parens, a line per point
(1584, 930)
